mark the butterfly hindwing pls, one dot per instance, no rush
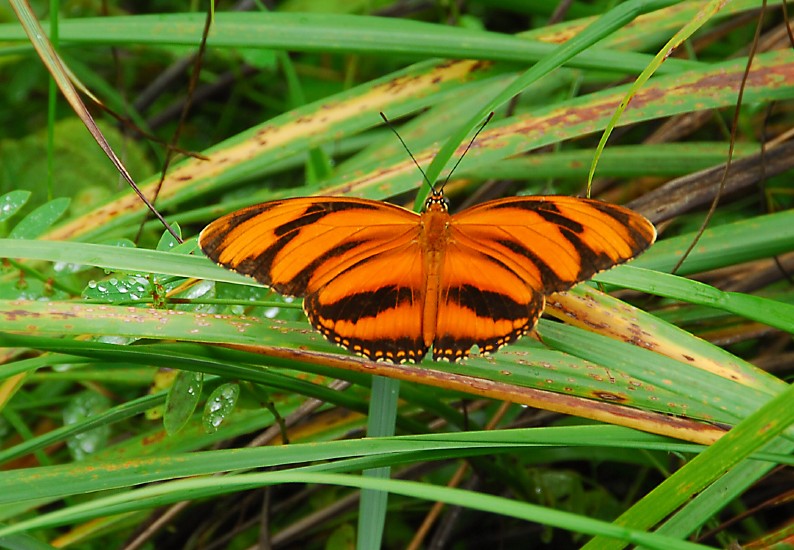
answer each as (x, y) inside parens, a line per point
(483, 302)
(374, 308)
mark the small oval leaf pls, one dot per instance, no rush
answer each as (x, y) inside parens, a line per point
(40, 220)
(119, 289)
(167, 241)
(11, 202)
(182, 400)
(80, 409)
(220, 405)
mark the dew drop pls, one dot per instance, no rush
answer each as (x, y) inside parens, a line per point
(271, 312)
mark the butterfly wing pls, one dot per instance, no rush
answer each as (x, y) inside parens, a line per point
(295, 246)
(523, 249)
(360, 266)
(357, 262)
(483, 300)
(374, 307)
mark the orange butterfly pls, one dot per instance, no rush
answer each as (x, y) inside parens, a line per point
(388, 283)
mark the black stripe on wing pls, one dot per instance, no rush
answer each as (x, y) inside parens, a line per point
(369, 323)
(641, 232)
(489, 308)
(261, 266)
(595, 251)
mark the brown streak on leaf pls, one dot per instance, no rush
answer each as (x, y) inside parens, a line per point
(608, 396)
(193, 171)
(15, 314)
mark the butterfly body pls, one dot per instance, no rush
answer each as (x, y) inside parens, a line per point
(388, 283)
(433, 242)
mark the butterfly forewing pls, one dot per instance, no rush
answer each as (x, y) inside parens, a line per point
(564, 240)
(296, 245)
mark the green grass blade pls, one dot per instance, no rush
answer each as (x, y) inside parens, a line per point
(752, 434)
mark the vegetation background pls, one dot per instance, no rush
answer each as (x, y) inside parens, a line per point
(151, 399)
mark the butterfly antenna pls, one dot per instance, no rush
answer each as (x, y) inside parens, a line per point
(473, 138)
(407, 150)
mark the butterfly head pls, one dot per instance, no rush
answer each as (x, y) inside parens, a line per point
(436, 202)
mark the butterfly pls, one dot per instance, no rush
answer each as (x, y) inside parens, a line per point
(387, 283)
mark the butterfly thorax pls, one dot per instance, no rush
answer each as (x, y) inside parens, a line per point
(433, 239)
